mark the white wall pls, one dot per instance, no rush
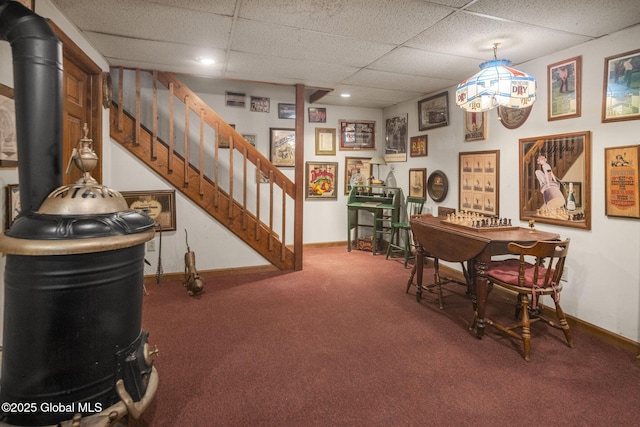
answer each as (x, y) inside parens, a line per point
(604, 262)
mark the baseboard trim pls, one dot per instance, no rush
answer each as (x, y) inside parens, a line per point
(608, 337)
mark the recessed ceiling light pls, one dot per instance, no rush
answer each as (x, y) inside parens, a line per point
(345, 95)
(205, 61)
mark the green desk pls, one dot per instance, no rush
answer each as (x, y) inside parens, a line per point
(382, 202)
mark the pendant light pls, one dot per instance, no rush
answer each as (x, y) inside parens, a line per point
(497, 83)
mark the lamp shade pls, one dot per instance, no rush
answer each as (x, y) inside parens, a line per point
(497, 83)
(378, 159)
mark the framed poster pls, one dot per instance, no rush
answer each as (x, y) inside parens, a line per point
(622, 189)
(564, 88)
(160, 205)
(235, 99)
(286, 111)
(260, 104)
(418, 183)
(475, 126)
(357, 171)
(251, 138)
(8, 135)
(325, 141)
(282, 146)
(433, 112)
(321, 180)
(395, 149)
(12, 204)
(513, 118)
(553, 168)
(419, 146)
(620, 97)
(357, 135)
(317, 115)
(480, 182)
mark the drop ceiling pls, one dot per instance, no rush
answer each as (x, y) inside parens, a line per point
(382, 52)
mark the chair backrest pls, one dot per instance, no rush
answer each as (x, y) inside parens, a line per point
(549, 261)
(414, 206)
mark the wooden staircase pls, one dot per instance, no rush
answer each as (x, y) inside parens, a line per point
(221, 174)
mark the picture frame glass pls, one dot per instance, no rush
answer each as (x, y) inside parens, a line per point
(438, 186)
(433, 112)
(357, 135)
(159, 205)
(325, 141)
(622, 185)
(479, 190)
(321, 180)
(419, 146)
(357, 171)
(552, 167)
(475, 126)
(621, 93)
(282, 147)
(418, 183)
(564, 89)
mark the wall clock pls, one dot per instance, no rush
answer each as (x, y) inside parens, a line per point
(513, 118)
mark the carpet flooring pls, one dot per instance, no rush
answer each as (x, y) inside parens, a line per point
(340, 343)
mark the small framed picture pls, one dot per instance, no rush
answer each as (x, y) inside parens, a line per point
(564, 89)
(286, 111)
(621, 100)
(160, 205)
(282, 147)
(433, 112)
(251, 138)
(317, 115)
(12, 204)
(622, 185)
(260, 104)
(357, 135)
(357, 171)
(418, 183)
(418, 146)
(235, 99)
(475, 126)
(325, 141)
(321, 180)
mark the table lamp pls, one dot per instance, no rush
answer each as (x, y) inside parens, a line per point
(377, 160)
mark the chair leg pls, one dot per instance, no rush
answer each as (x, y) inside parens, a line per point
(390, 246)
(437, 281)
(563, 323)
(526, 325)
(413, 273)
(407, 248)
(519, 306)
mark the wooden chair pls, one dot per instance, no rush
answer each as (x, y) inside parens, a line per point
(542, 277)
(414, 206)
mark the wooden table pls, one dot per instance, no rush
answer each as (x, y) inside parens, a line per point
(454, 243)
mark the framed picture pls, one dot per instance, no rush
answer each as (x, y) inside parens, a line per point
(622, 189)
(251, 138)
(395, 148)
(357, 135)
(564, 89)
(621, 87)
(325, 141)
(513, 118)
(553, 168)
(438, 186)
(235, 99)
(480, 182)
(160, 205)
(8, 135)
(317, 115)
(418, 146)
(12, 203)
(286, 111)
(283, 147)
(321, 180)
(357, 171)
(433, 112)
(260, 104)
(475, 126)
(418, 183)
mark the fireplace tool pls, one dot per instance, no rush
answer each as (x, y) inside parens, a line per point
(193, 282)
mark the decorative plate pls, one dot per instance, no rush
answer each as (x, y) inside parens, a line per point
(437, 186)
(513, 118)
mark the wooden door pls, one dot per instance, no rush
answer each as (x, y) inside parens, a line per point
(82, 96)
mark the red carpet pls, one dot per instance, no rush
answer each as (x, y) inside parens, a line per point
(341, 343)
